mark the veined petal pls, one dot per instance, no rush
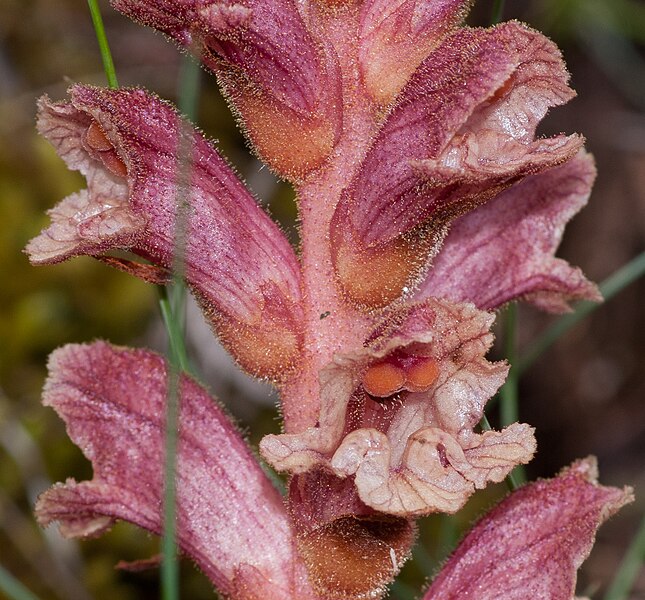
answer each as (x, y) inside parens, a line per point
(461, 132)
(279, 80)
(396, 35)
(505, 249)
(399, 415)
(532, 543)
(238, 263)
(231, 521)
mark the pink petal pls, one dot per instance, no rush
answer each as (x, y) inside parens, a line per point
(396, 35)
(416, 454)
(505, 249)
(461, 132)
(238, 263)
(532, 543)
(280, 82)
(231, 521)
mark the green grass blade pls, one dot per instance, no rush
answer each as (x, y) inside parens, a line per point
(189, 81)
(106, 55)
(509, 411)
(173, 311)
(14, 590)
(615, 283)
(509, 396)
(426, 562)
(498, 11)
(402, 591)
(624, 579)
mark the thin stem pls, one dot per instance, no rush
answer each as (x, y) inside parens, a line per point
(173, 308)
(629, 568)
(448, 537)
(421, 557)
(509, 412)
(616, 282)
(498, 11)
(106, 55)
(509, 396)
(13, 588)
(189, 82)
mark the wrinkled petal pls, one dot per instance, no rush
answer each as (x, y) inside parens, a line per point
(414, 452)
(462, 131)
(396, 35)
(505, 249)
(238, 263)
(532, 543)
(231, 521)
(281, 83)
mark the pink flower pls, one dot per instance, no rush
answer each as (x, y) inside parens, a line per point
(239, 265)
(425, 202)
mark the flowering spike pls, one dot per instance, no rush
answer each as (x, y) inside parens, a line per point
(239, 265)
(461, 132)
(112, 400)
(504, 250)
(423, 197)
(414, 452)
(281, 83)
(396, 35)
(532, 543)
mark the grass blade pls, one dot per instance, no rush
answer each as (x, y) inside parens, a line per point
(509, 396)
(106, 55)
(630, 567)
(173, 312)
(498, 11)
(13, 588)
(509, 411)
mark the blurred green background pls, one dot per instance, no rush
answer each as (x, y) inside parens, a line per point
(584, 397)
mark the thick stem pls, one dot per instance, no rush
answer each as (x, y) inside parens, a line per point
(331, 323)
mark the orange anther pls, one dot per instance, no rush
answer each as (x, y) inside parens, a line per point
(383, 379)
(96, 138)
(421, 375)
(112, 161)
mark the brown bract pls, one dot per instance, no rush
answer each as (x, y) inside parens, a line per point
(356, 557)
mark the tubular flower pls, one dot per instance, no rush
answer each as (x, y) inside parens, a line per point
(399, 414)
(112, 400)
(532, 543)
(282, 80)
(425, 203)
(238, 263)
